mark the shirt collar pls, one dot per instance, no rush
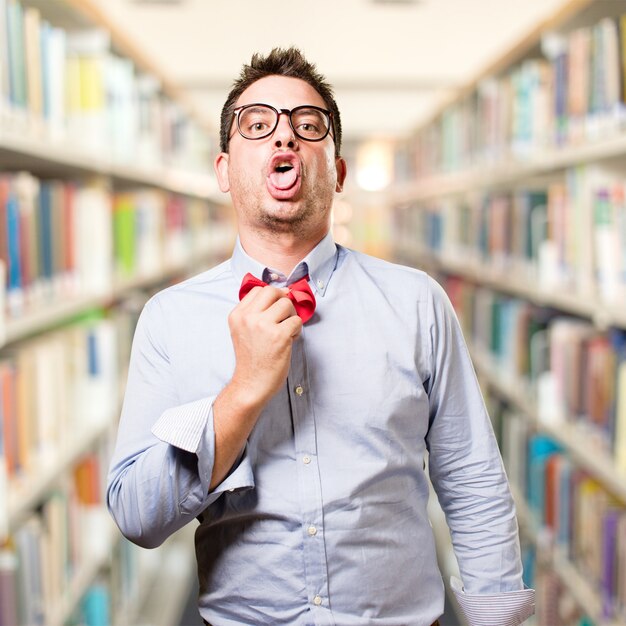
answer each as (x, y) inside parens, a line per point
(319, 264)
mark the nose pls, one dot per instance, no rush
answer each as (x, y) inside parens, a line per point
(284, 137)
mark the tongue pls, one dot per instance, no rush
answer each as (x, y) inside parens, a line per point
(284, 180)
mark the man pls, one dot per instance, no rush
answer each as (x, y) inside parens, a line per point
(298, 441)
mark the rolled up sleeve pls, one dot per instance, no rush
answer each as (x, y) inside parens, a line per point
(161, 468)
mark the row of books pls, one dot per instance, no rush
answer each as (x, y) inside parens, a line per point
(569, 235)
(579, 521)
(70, 538)
(555, 604)
(57, 386)
(69, 531)
(576, 372)
(68, 565)
(61, 240)
(567, 521)
(572, 94)
(69, 86)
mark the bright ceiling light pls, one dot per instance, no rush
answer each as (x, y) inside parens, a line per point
(374, 165)
(398, 2)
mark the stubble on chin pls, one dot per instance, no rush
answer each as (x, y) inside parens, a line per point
(286, 219)
(304, 217)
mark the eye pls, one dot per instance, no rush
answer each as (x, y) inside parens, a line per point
(310, 123)
(258, 126)
(254, 124)
(256, 121)
(310, 127)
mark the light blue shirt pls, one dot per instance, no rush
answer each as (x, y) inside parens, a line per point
(323, 518)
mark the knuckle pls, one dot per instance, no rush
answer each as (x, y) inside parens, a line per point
(232, 318)
(286, 306)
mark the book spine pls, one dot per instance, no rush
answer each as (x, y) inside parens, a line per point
(15, 39)
(4, 59)
(14, 287)
(96, 606)
(8, 587)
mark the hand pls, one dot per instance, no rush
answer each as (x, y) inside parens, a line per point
(262, 327)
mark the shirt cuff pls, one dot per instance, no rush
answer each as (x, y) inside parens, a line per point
(507, 608)
(183, 426)
(190, 428)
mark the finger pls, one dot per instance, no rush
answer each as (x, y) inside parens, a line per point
(261, 298)
(293, 325)
(280, 310)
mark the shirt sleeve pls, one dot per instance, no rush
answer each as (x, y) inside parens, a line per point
(504, 609)
(163, 460)
(466, 468)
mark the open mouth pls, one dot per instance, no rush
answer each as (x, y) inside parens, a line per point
(284, 172)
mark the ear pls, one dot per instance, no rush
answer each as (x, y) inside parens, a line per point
(340, 165)
(220, 166)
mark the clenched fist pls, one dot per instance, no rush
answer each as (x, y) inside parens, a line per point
(262, 327)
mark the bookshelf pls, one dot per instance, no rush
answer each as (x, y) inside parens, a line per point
(38, 321)
(573, 438)
(26, 492)
(512, 195)
(105, 197)
(508, 174)
(62, 611)
(52, 158)
(601, 314)
(145, 605)
(570, 576)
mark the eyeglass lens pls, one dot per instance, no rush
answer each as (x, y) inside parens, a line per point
(308, 123)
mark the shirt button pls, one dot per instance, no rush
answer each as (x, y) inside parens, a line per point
(299, 390)
(312, 531)
(306, 459)
(274, 276)
(320, 284)
(317, 600)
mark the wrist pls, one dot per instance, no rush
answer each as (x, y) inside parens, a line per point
(244, 402)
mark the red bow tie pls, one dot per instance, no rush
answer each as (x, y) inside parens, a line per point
(299, 293)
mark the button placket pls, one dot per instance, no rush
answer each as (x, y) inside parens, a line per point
(309, 487)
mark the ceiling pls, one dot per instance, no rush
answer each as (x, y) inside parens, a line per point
(390, 62)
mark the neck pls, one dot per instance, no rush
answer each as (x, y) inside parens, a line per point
(280, 251)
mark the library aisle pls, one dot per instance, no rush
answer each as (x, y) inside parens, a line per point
(498, 166)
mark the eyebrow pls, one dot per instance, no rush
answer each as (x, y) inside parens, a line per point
(257, 107)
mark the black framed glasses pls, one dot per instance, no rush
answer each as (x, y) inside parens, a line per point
(308, 122)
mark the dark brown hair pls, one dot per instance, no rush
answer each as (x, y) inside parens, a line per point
(288, 62)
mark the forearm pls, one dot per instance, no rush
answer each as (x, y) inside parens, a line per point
(481, 515)
(235, 413)
(160, 479)
(263, 327)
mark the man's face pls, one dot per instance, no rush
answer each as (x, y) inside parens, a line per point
(281, 183)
